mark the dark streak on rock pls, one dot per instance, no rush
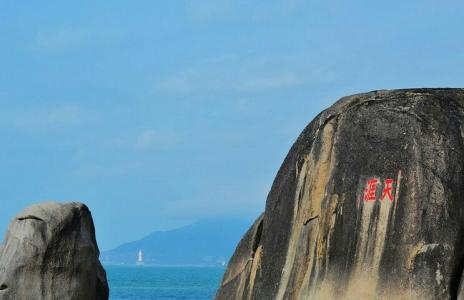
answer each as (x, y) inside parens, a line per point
(310, 219)
(29, 217)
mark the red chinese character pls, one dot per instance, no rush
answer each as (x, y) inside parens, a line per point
(371, 189)
(387, 189)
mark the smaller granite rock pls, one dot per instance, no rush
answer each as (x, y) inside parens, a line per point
(50, 252)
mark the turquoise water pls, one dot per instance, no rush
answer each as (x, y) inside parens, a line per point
(167, 283)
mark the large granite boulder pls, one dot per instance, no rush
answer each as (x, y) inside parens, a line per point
(50, 252)
(368, 204)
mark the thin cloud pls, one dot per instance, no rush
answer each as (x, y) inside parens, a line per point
(51, 118)
(150, 138)
(220, 10)
(272, 82)
(214, 78)
(245, 73)
(205, 10)
(226, 200)
(62, 38)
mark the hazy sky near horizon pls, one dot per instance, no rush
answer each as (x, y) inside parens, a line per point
(160, 113)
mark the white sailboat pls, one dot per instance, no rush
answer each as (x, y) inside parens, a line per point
(140, 259)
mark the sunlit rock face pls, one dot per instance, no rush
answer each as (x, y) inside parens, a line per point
(368, 204)
(50, 252)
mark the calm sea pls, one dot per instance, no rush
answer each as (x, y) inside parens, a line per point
(145, 282)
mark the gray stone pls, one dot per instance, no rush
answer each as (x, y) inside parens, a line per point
(368, 204)
(50, 252)
(238, 279)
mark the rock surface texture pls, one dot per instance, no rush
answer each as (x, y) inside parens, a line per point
(50, 252)
(368, 204)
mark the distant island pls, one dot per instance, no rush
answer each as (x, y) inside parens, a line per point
(208, 242)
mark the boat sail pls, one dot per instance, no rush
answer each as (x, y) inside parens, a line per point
(140, 259)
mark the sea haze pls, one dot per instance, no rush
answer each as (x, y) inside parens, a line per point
(209, 242)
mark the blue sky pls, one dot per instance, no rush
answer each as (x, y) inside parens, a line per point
(160, 113)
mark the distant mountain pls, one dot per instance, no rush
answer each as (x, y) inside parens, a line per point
(205, 243)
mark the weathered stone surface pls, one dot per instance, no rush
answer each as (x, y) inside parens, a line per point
(368, 204)
(239, 277)
(50, 252)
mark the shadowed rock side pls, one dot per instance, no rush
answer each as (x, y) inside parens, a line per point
(50, 252)
(241, 271)
(368, 204)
